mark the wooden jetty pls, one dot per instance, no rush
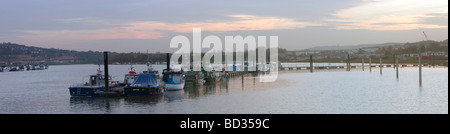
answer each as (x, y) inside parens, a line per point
(352, 66)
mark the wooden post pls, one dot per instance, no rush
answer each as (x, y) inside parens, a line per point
(105, 60)
(348, 62)
(381, 66)
(420, 70)
(168, 61)
(370, 64)
(363, 64)
(394, 56)
(311, 63)
(396, 65)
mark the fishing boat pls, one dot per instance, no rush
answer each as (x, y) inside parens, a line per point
(174, 79)
(129, 77)
(146, 83)
(213, 76)
(94, 87)
(195, 77)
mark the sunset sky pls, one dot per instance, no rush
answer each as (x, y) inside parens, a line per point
(138, 25)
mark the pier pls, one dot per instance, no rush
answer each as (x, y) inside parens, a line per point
(352, 66)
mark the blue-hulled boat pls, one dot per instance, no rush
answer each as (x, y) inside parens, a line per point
(146, 83)
(94, 87)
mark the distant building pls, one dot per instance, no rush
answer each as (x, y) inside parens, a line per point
(370, 49)
(434, 55)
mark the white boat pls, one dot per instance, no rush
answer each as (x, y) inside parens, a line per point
(130, 76)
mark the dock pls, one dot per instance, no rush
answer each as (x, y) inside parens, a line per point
(95, 88)
(352, 66)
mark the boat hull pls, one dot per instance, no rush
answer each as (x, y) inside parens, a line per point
(174, 86)
(142, 91)
(84, 91)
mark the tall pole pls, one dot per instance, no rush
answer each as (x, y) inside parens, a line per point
(363, 64)
(105, 60)
(381, 66)
(420, 70)
(396, 66)
(311, 63)
(394, 57)
(370, 64)
(168, 61)
(348, 62)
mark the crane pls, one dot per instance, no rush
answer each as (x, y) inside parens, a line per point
(426, 41)
(426, 37)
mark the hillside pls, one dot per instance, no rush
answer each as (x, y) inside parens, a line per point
(328, 48)
(11, 53)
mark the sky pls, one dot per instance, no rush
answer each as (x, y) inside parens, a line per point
(140, 25)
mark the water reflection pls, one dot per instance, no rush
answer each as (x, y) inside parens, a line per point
(80, 104)
(333, 91)
(191, 91)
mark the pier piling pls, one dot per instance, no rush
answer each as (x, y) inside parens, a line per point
(370, 64)
(394, 57)
(381, 66)
(168, 61)
(420, 70)
(311, 63)
(105, 60)
(363, 64)
(396, 66)
(348, 62)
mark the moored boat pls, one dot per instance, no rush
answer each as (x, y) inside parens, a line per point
(94, 87)
(146, 83)
(14, 68)
(129, 77)
(213, 76)
(195, 77)
(174, 79)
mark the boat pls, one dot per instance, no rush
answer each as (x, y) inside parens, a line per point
(14, 68)
(213, 76)
(174, 79)
(29, 67)
(94, 87)
(129, 77)
(22, 68)
(146, 83)
(42, 66)
(195, 77)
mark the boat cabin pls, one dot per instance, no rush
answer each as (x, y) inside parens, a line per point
(130, 77)
(172, 76)
(96, 80)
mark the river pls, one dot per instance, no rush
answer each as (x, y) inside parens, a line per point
(294, 92)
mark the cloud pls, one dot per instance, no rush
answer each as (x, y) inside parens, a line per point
(392, 15)
(157, 29)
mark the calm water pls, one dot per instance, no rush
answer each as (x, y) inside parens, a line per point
(46, 91)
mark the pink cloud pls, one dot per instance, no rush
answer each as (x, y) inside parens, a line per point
(153, 29)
